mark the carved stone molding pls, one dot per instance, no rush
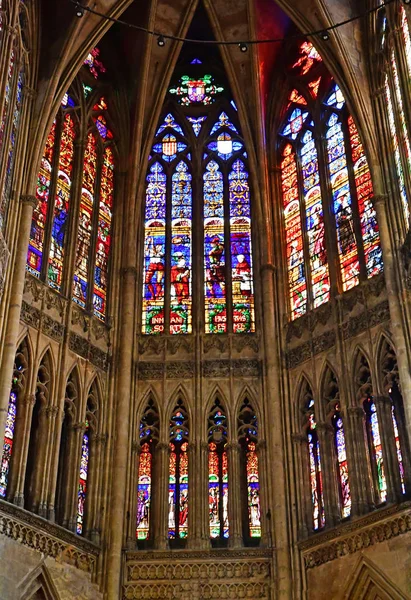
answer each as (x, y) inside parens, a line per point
(349, 538)
(215, 342)
(30, 200)
(150, 370)
(248, 340)
(52, 328)
(30, 315)
(45, 537)
(151, 344)
(180, 369)
(83, 348)
(34, 287)
(216, 368)
(198, 575)
(246, 368)
(180, 342)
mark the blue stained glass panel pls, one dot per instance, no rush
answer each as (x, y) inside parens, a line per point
(169, 123)
(223, 121)
(196, 123)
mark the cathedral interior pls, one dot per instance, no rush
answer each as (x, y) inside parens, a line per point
(205, 299)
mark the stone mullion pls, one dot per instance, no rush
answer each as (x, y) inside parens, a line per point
(399, 311)
(132, 501)
(20, 448)
(9, 121)
(14, 309)
(330, 233)
(204, 521)
(160, 492)
(299, 442)
(74, 458)
(363, 498)
(263, 479)
(393, 48)
(325, 433)
(38, 505)
(74, 217)
(193, 495)
(7, 44)
(383, 405)
(92, 492)
(235, 508)
(49, 452)
(403, 75)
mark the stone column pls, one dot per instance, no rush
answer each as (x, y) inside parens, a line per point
(235, 507)
(193, 505)
(361, 493)
(305, 516)
(16, 484)
(121, 410)
(325, 432)
(273, 395)
(16, 297)
(93, 499)
(392, 473)
(160, 492)
(266, 536)
(131, 515)
(398, 310)
(203, 517)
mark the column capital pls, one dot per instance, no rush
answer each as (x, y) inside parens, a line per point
(268, 267)
(162, 447)
(382, 400)
(136, 447)
(27, 199)
(126, 271)
(380, 200)
(355, 411)
(298, 438)
(323, 427)
(29, 92)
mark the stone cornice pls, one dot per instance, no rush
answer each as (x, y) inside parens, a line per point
(45, 537)
(352, 537)
(211, 555)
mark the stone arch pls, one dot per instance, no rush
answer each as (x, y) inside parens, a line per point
(387, 372)
(303, 400)
(362, 379)
(180, 393)
(329, 390)
(217, 393)
(150, 393)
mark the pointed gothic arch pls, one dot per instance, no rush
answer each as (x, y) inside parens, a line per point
(368, 581)
(218, 472)
(178, 475)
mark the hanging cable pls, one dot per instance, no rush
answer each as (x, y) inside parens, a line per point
(243, 44)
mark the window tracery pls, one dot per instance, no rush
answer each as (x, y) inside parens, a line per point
(316, 173)
(176, 209)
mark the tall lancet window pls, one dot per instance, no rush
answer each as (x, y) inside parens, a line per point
(375, 447)
(248, 439)
(18, 385)
(198, 140)
(178, 475)
(218, 473)
(314, 462)
(342, 465)
(148, 434)
(79, 146)
(317, 175)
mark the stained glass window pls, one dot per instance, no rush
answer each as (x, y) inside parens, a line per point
(91, 228)
(37, 232)
(217, 473)
(149, 431)
(200, 90)
(8, 443)
(342, 203)
(309, 187)
(342, 466)
(82, 484)
(406, 38)
(398, 448)
(95, 65)
(180, 150)
(248, 437)
(9, 149)
(61, 203)
(178, 475)
(294, 234)
(368, 219)
(375, 448)
(316, 477)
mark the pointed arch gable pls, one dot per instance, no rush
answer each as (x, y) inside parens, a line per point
(326, 369)
(149, 394)
(180, 393)
(368, 580)
(303, 382)
(216, 392)
(385, 346)
(247, 393)
(38, 580)
(360, 356)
